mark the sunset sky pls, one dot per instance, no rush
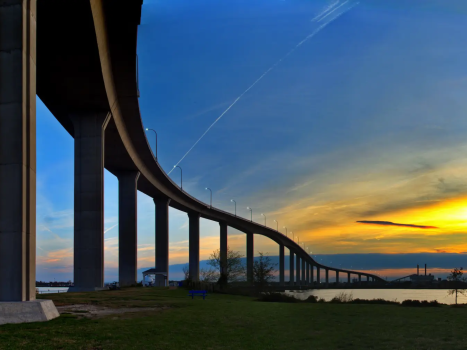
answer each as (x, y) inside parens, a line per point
(364, 121)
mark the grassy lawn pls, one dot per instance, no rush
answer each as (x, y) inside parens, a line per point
(235, 322)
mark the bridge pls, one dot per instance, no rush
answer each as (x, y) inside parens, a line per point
(79, 57)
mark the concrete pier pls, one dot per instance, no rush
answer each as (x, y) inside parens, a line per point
(318, 275)
(88, 247)
(312, 274)
(127, 227)
(223, 247)
(337, 277)
(193, 246)
(162, 239)
(304, 272)
(250, 255)
(348, 277)
(359, 279)
(18, 166)
(281, 264)
(18, 150)
(327, 278)
(307, 273)
(297, 269)
(291, 268)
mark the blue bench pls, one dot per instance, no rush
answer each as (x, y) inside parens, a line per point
(192, 293)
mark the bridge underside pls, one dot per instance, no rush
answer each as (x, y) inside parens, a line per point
(85, 68)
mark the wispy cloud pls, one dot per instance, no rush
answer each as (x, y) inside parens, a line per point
(308, 37)
(389, 223)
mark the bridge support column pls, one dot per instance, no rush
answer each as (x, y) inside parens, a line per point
(297, 269)
(18, 166)
(291, 268)
(311, 274)
(359, 279)
(348, 278)
(327, 278)
(193, 246)
(223, 248)
(127, 227)
(337, 277)
(281, 264)
(162, 240)
(318, 276)
(89, 200)
(307, 273)
(250, 255)
(304, 281)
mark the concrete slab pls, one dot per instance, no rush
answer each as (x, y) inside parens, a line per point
(27, 311)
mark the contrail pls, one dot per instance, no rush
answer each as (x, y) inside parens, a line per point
(338, 7)
(110, 228)
(329, 8)
(316, 31)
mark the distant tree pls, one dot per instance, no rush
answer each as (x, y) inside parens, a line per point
(186, 272)
(233, 272)
(263, 270)
(208, 275)
(455, 277)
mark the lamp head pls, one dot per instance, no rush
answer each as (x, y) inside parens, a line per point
(147, 129)
(248, 208)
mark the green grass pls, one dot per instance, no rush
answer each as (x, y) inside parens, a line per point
(235, 322)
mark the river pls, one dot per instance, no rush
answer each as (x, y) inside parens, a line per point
(50, 290)
(440, 295)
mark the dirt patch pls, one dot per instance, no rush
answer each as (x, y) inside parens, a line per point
(96, 311)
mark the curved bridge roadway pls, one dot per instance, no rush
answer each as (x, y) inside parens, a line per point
(87, 77)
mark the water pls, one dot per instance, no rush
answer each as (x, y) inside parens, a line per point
(50, 290)
(440, 295)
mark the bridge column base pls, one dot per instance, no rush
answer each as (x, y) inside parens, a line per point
(27, 311)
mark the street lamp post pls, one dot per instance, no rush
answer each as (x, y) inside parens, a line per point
(277, 226)
(264, 219)
(147, 129)
(235, 206)
(285, 231)
(251, 213)
(207, 188)
(181, 175)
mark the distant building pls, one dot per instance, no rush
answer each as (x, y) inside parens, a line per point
(153, 278)
(422, 279)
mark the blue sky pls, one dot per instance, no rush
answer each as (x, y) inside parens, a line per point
(364, 121)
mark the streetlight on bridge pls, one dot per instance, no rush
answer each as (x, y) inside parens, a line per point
(235, 206)
(147, 129)
(285, 231)
(207, 188)
(251, 213)
(181, 175)
(277, 226)
(264, 219)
